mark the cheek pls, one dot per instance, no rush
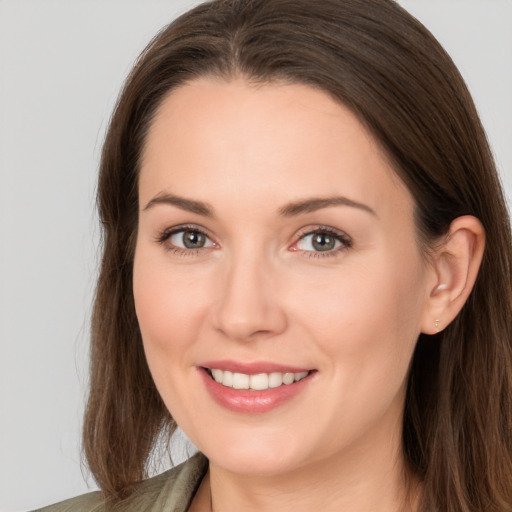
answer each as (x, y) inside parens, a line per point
(169, 304)
(366, 322)
(366, 317)
(358, 297)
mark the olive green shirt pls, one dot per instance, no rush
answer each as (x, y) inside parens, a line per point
(171, 491)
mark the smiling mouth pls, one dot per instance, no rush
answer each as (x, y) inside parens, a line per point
(256, 382)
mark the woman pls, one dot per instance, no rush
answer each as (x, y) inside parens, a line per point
(306, 266)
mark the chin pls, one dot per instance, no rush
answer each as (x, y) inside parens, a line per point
(248, 452)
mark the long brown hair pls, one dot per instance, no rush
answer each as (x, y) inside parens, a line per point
(379, 61)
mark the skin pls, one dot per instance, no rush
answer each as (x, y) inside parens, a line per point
(260, 291)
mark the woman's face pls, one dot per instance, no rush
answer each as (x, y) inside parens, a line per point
(275, 239)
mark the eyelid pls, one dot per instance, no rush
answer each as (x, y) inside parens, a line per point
(166, 233)
(164, 236)
(341, 236)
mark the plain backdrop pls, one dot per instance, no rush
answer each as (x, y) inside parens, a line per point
(61, 65)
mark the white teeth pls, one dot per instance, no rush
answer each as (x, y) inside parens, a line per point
(240, 381)
(288, 378)
(217, 375)
(300, 376)
(227, 379)
(258, 382)
(275, 380)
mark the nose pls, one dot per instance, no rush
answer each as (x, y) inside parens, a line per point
(249, 305)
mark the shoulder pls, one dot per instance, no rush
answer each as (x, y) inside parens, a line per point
(88, 502)
(172, 490)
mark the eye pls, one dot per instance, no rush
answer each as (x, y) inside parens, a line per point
(190, 239)
(185, 240)
(322, 240)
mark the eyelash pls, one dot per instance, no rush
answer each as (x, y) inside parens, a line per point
(179, 251)
(343, 238)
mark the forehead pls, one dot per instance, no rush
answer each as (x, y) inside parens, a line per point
(267, 143)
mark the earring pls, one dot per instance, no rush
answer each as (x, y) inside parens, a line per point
(437, 325)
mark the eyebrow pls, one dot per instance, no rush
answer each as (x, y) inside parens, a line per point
(188, 205)
(317, 203)
(289, 210)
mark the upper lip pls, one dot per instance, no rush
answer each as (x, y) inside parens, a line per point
(253, 368)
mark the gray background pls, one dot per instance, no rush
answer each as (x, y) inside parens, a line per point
(61, 65)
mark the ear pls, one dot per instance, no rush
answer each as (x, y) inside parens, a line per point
(455, 265)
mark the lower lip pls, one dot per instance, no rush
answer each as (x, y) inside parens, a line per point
(247, 401)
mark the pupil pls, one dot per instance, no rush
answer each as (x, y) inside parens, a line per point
(323, 242)
(193, 240)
